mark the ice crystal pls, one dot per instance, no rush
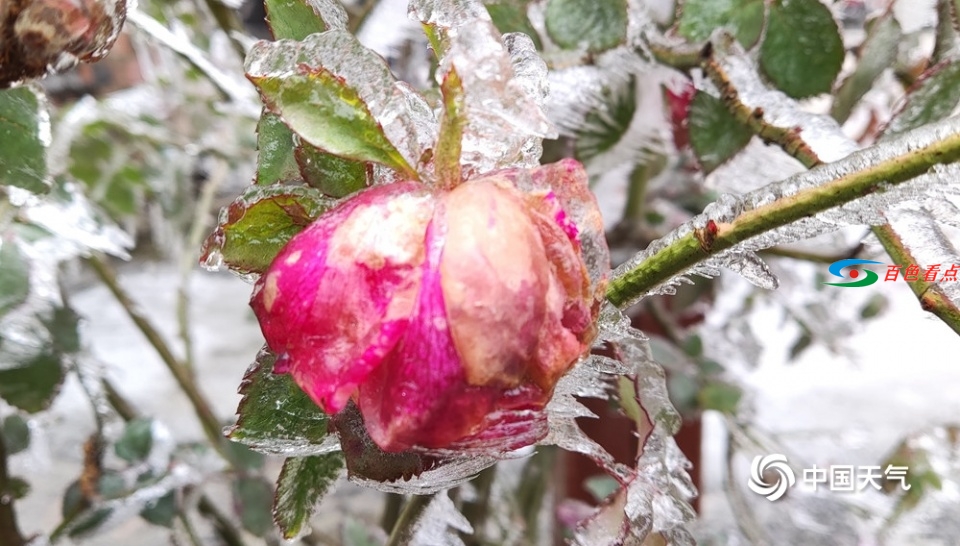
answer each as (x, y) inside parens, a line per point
(441, 523)
(503, 84)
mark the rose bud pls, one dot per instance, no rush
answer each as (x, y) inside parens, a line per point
(448, 316)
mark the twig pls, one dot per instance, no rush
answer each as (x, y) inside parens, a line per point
(188, 258)
(224, 84)
(391, 511)
(9, 530)
(476, 511)
(209, 421)
(742, 512)
(931, 296)
(411, 513)
(811, 256)
(869, 170)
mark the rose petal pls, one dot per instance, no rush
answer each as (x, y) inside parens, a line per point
(338, 297)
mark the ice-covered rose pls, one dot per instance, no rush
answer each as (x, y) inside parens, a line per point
(446, 315)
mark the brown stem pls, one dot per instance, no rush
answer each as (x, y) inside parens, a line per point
(9, 530)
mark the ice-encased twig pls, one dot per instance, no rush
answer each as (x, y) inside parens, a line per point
(866, 184)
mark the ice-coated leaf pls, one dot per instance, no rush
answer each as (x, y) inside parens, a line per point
(302, 484)
(339, 96)
(334, 176)
(605, 126)
(25, 133)
(802, 52)
(15, 433)
(441, 523)
(877, 53)
(252, 499)
(14, 275)
(275, 147)
(276, 417)
(594, 25)
(927, 244)
(110, 163)
(253, 229)
(653, 495)
(715, 135)
(932, 98)
(31, 357)
(297, 19)
(504, 85)
(511, 16)
(743, 18)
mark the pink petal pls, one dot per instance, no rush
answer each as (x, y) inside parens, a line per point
(338, 297)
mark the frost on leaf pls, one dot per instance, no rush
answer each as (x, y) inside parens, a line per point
(872, 209)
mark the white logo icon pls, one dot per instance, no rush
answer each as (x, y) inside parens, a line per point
(776, 463)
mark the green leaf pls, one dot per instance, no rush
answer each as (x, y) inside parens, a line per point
(721, 397)
(743, 18)
(693, 346)
(447, 159)
(932, 98)
(275, 416)
(16, 434)
(23, 160)
(715, 135)
(511, 16)
(16, 488)
(876, 305)
(252, 499)
(14, 276)
(110, 163)
(603, 129)
(275, 159)
(243, 457)
(878, 52)
(303, 482)
(598, 25)
(318, 104)
(802, 52)
(32, 382)
(136, 441)
(63, 325)
(334, 176)
(297, 19)
(254, 228)
(161, 511)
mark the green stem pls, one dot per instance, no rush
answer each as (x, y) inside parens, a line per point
(391, 511)
(811, 256)
(861, 173)
(10, 534)
(209, 421)
(403, 530)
